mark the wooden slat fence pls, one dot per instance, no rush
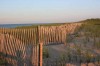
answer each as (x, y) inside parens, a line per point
(20, 47)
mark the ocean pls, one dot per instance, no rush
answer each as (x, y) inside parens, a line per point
(14, 25)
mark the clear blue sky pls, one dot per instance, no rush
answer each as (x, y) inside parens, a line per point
(32, 11)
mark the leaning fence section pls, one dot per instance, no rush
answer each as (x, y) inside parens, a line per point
(51, 35)
(19, 47)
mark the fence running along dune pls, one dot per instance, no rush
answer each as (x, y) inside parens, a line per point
(20, 47)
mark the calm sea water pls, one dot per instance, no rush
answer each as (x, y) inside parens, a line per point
(14, 25)
(18, 25)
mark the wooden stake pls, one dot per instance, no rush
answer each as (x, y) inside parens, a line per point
(41, 55)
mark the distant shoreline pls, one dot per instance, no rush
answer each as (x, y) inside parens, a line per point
(13, 25)
(19, 25)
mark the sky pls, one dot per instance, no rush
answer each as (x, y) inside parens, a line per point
(47, 11)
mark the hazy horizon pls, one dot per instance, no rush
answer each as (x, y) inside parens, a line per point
(47, 11)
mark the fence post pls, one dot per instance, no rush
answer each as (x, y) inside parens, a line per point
(40, 54)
